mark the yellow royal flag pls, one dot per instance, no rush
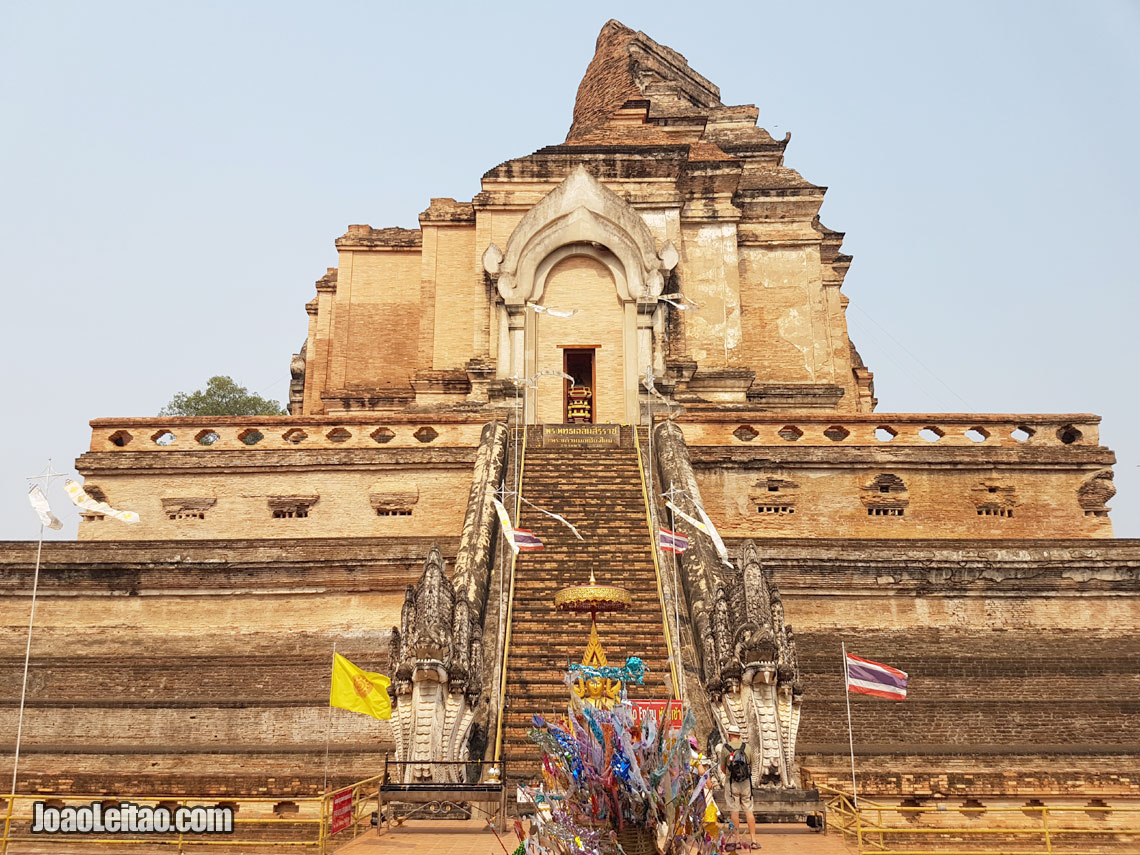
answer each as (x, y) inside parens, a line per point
(359, 691)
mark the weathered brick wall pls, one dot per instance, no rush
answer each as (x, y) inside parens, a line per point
(939, 502)
(197, 668)
(709, 270)
(242, 507)
(366, 465)
(203, 667)
(785, 312)
(1022, 663)
(375, 338)
(451, 266)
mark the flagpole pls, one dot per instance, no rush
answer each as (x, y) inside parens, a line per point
(27, 659)
(328, 723)
(850, 735)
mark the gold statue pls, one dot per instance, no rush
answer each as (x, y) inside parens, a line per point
(599, 692)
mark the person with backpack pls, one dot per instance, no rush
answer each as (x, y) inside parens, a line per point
(735, 762)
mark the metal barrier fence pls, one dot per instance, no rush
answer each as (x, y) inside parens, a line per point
(291, 823)
(1025, 830)
(486, 796)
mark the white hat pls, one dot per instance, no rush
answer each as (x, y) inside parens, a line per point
(732, 728)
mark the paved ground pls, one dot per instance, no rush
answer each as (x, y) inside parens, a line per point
(472, 838)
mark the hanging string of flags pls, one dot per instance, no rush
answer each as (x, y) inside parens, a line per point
(86, 503)
(650, 386)
(672, 299)
(40, 505)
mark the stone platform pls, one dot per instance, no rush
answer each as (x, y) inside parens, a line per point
(473, 838)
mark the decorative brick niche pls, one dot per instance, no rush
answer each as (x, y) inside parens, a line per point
(885, 496)
(291, 507)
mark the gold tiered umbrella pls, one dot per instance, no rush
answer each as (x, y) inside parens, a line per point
(601, 692)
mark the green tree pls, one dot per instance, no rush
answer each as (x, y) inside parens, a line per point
(221, 397)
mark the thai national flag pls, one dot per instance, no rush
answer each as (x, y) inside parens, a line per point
(672, 541)
(874, 678)
(526, 539)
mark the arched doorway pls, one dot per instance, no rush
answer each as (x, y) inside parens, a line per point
(591, 341)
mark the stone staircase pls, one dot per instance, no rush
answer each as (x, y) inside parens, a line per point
(599, 491)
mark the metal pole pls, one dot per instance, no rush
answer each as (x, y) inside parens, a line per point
(518, 434)
(27, 659)
(850, 735)
(328, 723)
(677, 604)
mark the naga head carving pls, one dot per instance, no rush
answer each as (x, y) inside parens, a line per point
(428, 610)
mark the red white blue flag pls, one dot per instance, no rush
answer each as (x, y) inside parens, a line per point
(526, 539)
(672, 541)
(865, 677)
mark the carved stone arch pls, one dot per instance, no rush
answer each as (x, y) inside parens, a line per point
(581, 217)
(580, 210)
(589, 250)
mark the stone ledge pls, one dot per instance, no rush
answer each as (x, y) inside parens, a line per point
(96, 462)
(1025, 751)
(839, 455)
(214, 555)
(167, 749)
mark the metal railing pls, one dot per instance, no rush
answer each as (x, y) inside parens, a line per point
(654, 548)
(300, 823)
(486, 795)
(1025, 830)
(506, 648)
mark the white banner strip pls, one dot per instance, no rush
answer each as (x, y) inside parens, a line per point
(693, 521)
(721, 550)
(562, 520)
(508, 529)
(40, 505)
(85, 502)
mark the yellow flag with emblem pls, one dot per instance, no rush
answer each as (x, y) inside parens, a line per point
(358, 690)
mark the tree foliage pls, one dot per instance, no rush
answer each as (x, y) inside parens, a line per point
(221, 397)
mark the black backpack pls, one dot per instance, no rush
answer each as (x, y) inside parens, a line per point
(738, 769)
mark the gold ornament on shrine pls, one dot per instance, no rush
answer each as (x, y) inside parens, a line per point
(600, 692)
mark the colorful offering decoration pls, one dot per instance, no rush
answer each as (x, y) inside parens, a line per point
(615, 781)
(612, 786)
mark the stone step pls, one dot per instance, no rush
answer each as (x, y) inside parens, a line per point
(600, 492)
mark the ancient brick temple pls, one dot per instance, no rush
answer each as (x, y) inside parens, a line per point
(651, 305)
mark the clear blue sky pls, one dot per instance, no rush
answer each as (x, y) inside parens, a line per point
(172, 178)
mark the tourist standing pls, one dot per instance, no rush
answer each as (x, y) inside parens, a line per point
(735, 759)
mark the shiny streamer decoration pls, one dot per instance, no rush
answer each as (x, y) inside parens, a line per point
(633, 671)
(607, 779)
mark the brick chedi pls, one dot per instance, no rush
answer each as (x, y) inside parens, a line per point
(664, 237)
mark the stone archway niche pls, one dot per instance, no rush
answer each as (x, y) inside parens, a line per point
(579, 233)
